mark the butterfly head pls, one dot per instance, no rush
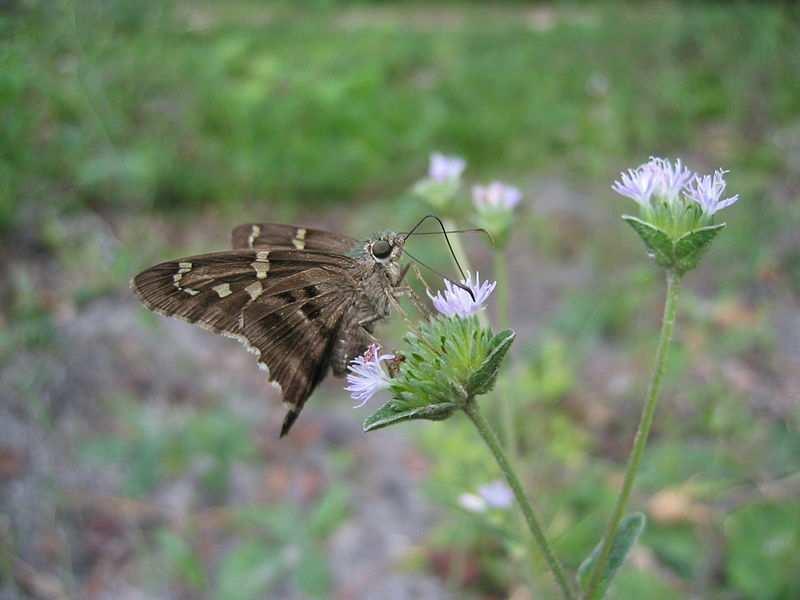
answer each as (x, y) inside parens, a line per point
(386, 248)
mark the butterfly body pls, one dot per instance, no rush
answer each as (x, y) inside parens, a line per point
(304, 301)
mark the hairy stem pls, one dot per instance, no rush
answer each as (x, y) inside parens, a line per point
(643, 431)
(471, 408)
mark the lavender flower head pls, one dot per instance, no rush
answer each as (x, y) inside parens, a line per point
(707, 191)
(497, 494)
(455, 301)
(492, 495)
(366, 376)
(495, 196)
(445, 168)
(657, 177)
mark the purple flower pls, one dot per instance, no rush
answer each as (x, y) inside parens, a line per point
(455, 301)
(445, 168)
(657, 176)
(497, 494)
(670, 179)
(492, 495)
(637, 184)
(707, 191)
(366, 376)
(496, 195)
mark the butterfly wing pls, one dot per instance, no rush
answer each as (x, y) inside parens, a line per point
(274, 235)
(285, 306)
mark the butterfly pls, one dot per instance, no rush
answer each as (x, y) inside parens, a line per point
(304, 301)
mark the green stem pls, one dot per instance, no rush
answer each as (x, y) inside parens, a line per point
(506, 406)
(645, 423)
(471, 408)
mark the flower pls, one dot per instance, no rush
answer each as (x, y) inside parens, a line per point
(496, 494)
(472, 503)
(366, 376)
(495, 196)
(456, 301)
(445, 168)
(707, 191)
(657, 177)
(492, 495)
(670, 179)
(637, 184)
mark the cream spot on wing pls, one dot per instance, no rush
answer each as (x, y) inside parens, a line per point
(261, 264)
(261, 269)
(183, 268)
(299, 240)
(190, 291)
(254, 233)
(223, 290)
(254, 289)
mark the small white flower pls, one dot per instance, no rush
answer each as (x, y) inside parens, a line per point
(445, 168)
(497, 494)
(472, 503)
(366, 376)
(495, 196)
(670, 178)
(456, 301)
(658, 177)
(637, 184)
(707, 191)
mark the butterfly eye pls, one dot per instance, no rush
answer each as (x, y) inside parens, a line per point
(381, 249)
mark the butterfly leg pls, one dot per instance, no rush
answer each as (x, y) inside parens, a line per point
(409, 293)
(352, 342)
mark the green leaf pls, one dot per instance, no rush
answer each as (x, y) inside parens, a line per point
(691, 246)
(394, 412)
(483, 379)
(629, 531)
(658, 243)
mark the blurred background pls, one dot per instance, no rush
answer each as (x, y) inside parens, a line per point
(139, 456)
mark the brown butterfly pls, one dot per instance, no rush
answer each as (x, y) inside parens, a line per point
(302, 300)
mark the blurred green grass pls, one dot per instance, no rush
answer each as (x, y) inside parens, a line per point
(173, 105)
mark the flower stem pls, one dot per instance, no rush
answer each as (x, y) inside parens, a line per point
(471, 408)
(645, 423)
(506, 406)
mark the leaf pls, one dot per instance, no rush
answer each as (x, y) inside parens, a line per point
(483, 379)
(658, 243)
(630, 528)
(691, 246)
(394, 412)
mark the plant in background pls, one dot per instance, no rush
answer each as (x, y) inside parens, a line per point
(494, 205)
(676, 224)
(443, 182)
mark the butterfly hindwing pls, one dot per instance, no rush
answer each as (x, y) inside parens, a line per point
(274, 235)
(285, 305)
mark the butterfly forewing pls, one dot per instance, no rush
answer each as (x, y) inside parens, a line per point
(285, 305)
(275, 235)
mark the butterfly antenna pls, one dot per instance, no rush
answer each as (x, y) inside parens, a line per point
(443, 276)
(471, 230)
(447, 239)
